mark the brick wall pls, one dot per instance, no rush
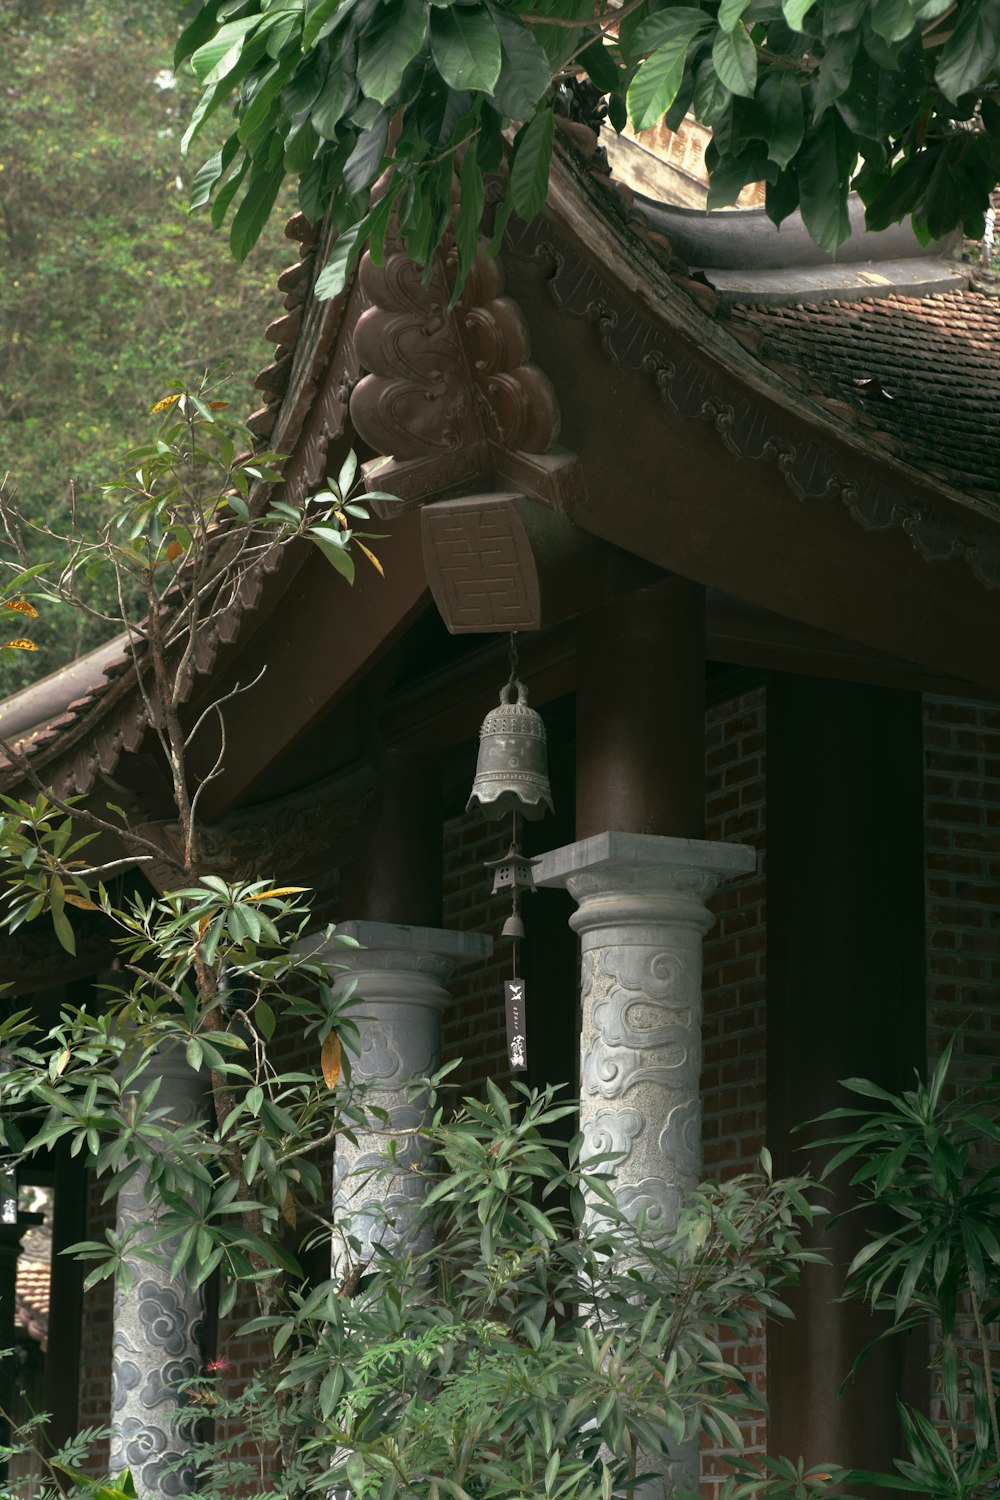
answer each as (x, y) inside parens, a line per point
(95, 1341)
(962, 864)
(962, 843)
(734, 1072)
(475, 1025)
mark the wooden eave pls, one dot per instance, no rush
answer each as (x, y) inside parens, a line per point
(676, 446)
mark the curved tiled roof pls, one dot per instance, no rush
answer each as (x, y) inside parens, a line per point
(920, 375)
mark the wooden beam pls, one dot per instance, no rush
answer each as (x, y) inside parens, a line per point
(317, 647)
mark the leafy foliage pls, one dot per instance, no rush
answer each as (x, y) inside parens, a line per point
(546, 1345)
(927, 1159)
(372, 104)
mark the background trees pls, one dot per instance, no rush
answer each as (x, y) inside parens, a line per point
(110, 287)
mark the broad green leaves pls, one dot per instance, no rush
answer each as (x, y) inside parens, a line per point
(389, 45)
(529, 173)
(799, 92)
(969, 56)
(777, 116)
(524, 68)
(823, 180)
(465, 44)
(735, 59)
(667, 37)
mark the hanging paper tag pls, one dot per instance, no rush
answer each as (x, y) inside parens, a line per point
(517, 1031)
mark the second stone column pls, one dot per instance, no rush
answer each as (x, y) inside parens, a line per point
(401, 976)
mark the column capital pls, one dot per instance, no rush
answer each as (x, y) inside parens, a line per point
(644, 876)
(395, 948)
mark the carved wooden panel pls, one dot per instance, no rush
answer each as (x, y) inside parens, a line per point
(479, 565)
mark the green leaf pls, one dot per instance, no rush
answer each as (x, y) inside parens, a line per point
(63, 930)
(264, 1019)
(711, 97)
(655, 85)
(730, 12)
(199, 30)
(824, 166)
(524, 68)
(969, 55)
(776, 116)
(735, 59)
(336, 97)
(255, 209)
(882, 101)
(389, 45)
(364, 164)
(529, 172)
(470, 212)
(893, 20)
(217, 57)
(228, 192)
(341, 560)
(902, 194)
(465, 44)
(318, 12)
(209, 173)
(795, 11)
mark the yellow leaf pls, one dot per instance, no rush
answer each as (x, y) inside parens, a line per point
(342, 519)
(217, 405)
(279, 890)
(84, 902)
(22, 606)
(371, 558)
(20, 645)
(330, 1059)
(288, 1211)
(62, 1062)
(174, 550)
(162, 405)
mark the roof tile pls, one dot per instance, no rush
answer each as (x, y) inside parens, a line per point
(930, 367)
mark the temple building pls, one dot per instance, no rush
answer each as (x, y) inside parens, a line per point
(740, 507)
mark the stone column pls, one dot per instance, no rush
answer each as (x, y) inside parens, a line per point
(401, 974)
(641, 917)
(157, 1346)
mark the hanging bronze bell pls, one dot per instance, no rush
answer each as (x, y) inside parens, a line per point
(512, 773)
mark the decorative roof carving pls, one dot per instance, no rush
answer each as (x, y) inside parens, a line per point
(450, 394)
(290, 835)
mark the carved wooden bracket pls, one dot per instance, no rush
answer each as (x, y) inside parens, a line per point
(499, 562)
(453, 396)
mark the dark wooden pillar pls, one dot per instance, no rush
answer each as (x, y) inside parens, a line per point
(399, 877)
(62, 1365)
(640, 708)
(845, 998)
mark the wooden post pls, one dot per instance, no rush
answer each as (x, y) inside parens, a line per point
(641, 714)
(399, 877)
(845, 998)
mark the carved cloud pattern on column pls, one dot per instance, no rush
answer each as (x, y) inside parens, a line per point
(443, 381)
(157, 1344)
(641, 917)
(401, 976)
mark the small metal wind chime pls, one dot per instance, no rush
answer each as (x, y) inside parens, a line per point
(512, 777)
